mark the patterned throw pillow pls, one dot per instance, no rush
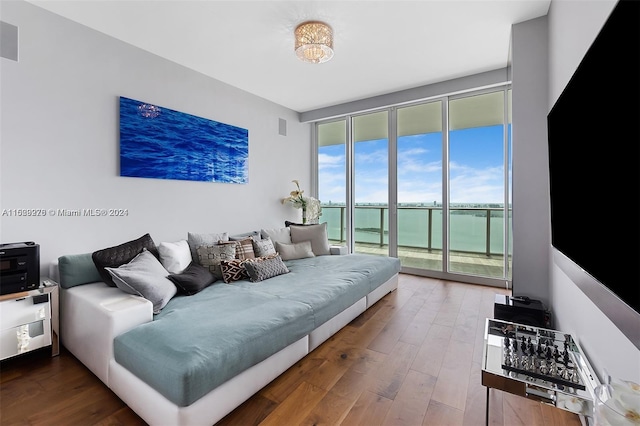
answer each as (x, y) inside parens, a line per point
(261, 269)
(233, 270)
(244, 249)
(210, 256)
(263, 247)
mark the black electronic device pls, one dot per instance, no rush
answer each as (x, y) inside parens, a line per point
(521, 310)
(19, 267)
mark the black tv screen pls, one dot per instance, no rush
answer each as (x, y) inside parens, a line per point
(594, 158)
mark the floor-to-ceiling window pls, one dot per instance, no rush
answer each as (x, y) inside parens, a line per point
(371, 183)
(419, 188)
(428, 182)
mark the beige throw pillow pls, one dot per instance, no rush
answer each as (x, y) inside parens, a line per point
(316, 234)
(295, 250)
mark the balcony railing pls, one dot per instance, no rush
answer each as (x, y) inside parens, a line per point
(371, 226)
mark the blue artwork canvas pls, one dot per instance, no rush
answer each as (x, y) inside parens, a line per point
(158, 142)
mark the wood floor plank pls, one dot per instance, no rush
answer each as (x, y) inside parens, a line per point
(389, 377)
(296, 407)
(429, 358)
(442, 415)
(410, 404)
(331, 410)
(369, 410)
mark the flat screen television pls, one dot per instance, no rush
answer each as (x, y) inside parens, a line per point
(594, 171)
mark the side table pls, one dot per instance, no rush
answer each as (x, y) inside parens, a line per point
(536, 363)
(29, 320)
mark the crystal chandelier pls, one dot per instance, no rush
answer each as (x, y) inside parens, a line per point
(314, 42)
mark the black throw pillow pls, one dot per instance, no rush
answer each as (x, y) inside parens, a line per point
(193, 279)
(112, 257)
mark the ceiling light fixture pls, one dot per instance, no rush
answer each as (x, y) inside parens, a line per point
(314, 42)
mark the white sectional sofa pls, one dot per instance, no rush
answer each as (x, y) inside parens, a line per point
(204, 354)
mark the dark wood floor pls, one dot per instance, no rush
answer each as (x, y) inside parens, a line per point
(412, 359)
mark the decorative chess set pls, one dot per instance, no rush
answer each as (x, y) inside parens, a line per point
(541, 358)
(538, 363)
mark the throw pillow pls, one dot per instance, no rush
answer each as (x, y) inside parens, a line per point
(197, 240)
(244, 249)
(233, 270)
(175, 257)
(193, 279)
(210, 257)
(253, 234)
(262, 269)
(295, 251)
(277, 235)
(115, 256)
(263, 247)
(145, 276)
(317, 234)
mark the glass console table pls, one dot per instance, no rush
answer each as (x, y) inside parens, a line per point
(537, 363)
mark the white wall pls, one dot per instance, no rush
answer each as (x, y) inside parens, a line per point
(60, 142)
(572, 28)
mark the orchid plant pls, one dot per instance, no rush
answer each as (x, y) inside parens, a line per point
(311, 208)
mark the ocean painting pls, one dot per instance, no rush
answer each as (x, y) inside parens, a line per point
(160, 143)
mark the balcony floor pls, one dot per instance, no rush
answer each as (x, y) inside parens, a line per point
(460, 262)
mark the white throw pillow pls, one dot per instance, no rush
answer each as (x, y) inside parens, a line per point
(295, 250)
(175, 257)
(277, 235)
(145, 276)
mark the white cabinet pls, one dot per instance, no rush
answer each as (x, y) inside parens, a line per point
(29, 321)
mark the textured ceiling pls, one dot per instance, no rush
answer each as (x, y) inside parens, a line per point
(380, 46)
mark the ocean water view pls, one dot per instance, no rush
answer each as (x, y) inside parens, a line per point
(467, 227)
(161, 143)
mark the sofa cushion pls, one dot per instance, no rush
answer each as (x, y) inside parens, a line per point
(210, 256)
(193, 279)
(261, 269)
(115, 256)
(263, 247)
(295, 251)
(233, 270)
(196, 240)
(145, 276)
(175, 257)
(317, 234)
(77, 269)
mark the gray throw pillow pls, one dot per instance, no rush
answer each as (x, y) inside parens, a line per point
(295, 250)
(211, 256)
(263, 247)
(317, 234)
(196, 240)
(262, 269)
(145, 276)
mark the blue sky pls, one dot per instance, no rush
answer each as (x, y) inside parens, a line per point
(476, 170)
